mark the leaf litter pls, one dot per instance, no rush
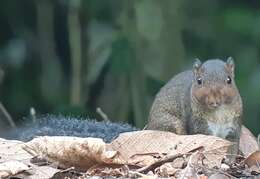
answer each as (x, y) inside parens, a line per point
(140, 154)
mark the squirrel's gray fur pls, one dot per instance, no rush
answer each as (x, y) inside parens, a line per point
(59, 125)
(202, 100)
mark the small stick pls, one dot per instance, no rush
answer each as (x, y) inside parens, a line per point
(149, 153)
(33, 114)
(67, 170)
(167, 159)
(102, 114)
(7, 116)
(159, 162)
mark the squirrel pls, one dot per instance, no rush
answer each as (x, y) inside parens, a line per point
(204, 100)
(59, 125)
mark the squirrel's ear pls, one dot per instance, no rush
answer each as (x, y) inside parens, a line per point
(196, 65)
(230, 64)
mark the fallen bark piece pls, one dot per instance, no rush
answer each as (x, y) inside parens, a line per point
(10, 168)
(131, 144)
(80, 153)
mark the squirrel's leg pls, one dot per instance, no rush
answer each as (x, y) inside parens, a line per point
(234, 137)
(198, 126)
(167, 122)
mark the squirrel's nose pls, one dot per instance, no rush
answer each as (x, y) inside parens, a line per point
(214, 104)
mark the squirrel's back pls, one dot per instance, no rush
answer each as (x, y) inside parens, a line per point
(174, 97)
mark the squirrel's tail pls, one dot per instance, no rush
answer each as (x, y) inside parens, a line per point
(52, 125)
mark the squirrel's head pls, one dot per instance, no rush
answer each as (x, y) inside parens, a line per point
(213, 83)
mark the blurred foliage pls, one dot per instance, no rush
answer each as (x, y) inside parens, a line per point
(72, 56)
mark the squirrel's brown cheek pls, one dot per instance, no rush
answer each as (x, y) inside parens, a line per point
(211, 97)
(201, 94)
(228, 94)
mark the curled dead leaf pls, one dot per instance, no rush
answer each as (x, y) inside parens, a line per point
(81, 153)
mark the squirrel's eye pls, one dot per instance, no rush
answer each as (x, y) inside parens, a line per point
(229, 80)
(199, 81)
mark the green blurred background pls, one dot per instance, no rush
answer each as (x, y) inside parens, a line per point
(72, 56)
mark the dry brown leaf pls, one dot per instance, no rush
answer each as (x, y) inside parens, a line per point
(167, 169)
(12, 150)
(219, 176)
(179, 163)
(255, 169)
(42, 172)
(248, 143)
(11, 168)
(141, 142)
(81, 153)
(253, 159)
(106, 170)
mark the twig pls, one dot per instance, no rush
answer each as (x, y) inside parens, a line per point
(148, 153)
(7, 116)
(145, 127)
(159, 162)
(102, 114)
(167, 159)
(67, 170)
(33, 114)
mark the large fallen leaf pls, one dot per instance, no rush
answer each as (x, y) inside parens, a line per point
(11, 168)
(139, 147)
(81, 153)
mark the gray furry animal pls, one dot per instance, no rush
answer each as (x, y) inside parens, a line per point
(53, 125)
(203, 100)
